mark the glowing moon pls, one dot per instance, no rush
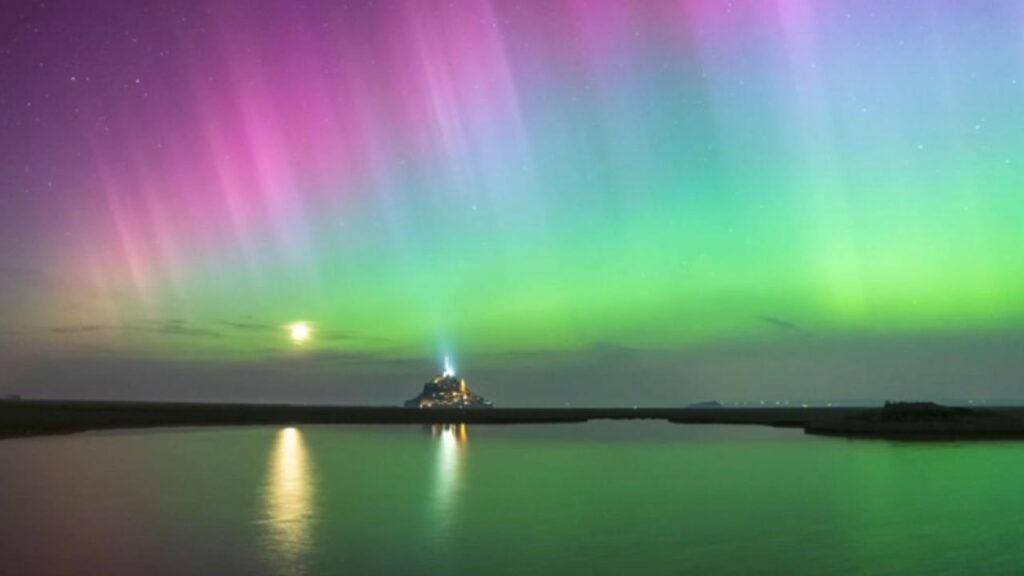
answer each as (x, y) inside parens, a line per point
(300, 332)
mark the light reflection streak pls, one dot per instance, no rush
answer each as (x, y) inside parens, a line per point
(289, 502)
(452, 439)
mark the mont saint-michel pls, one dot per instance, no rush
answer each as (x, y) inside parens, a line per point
(446, 390)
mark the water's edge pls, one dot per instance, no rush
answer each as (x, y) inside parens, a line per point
(20, 418)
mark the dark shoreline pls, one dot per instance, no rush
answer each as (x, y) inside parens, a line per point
(42, 417)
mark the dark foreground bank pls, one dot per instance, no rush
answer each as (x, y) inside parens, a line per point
(36, 417)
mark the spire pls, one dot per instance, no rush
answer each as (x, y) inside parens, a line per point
(446, 390)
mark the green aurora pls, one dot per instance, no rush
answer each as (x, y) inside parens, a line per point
(769, 201)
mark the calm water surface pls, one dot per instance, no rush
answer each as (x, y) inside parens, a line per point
(598, 498)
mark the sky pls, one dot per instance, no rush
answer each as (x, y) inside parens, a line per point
(586, 202)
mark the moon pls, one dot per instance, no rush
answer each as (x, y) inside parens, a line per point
(300, 332)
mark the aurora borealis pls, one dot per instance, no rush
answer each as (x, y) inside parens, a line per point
(706, 199)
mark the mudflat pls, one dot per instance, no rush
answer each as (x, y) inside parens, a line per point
(36, 417)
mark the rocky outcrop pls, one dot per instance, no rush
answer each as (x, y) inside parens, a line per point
(447, 391)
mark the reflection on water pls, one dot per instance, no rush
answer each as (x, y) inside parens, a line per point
(596, 498)
(289, 501)
(451, 442)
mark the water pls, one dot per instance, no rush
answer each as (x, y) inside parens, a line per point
(597, 498)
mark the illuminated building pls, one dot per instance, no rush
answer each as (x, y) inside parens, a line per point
(446, 390)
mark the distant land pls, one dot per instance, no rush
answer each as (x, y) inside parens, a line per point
(913, 420)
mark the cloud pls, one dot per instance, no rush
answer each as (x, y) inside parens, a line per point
(176, 328)
(780, 323)
(172, 327)
(349, 335)
(76, 329)
(321, 357)
(250, 326)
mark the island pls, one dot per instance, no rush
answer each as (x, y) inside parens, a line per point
(446, 390)
(924, 420)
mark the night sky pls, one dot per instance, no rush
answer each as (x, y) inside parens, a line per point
(595, 202)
